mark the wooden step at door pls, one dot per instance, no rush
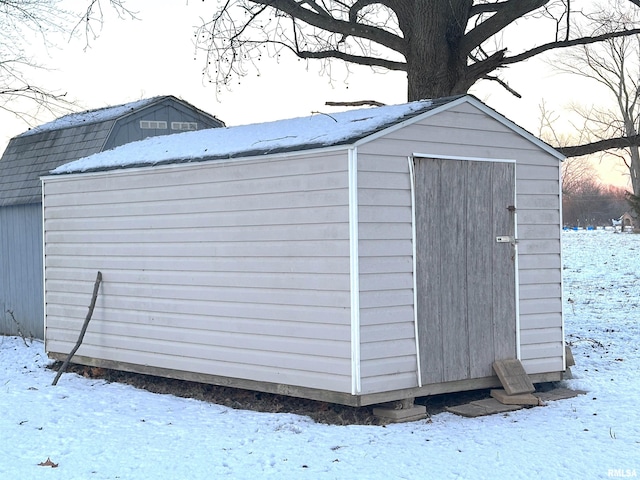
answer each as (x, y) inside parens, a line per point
(513, 377)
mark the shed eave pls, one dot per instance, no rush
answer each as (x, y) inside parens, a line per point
(180, 162)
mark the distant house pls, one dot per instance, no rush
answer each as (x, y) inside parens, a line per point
(39, 150)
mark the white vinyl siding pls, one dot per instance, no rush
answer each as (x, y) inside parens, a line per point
(237, 269)
(388, 347)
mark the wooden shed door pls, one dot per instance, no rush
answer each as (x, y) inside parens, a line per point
(465, 277)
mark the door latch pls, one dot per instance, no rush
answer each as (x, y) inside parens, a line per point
(506, 239)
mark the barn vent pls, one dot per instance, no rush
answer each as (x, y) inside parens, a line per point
(184, 126)
(153, 124)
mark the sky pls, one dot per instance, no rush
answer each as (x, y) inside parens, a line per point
(155, 55)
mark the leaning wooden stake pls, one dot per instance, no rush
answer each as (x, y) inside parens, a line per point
(92, 305)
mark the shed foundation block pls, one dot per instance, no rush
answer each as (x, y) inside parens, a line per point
(400, 411)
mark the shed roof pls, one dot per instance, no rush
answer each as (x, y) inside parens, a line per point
(305, 133)
(39, 150)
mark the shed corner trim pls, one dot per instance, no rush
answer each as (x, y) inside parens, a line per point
(414, 266)
(354, 271)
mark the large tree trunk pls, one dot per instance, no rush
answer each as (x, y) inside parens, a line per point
(435, 65)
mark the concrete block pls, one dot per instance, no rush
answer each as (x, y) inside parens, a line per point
(411, 414)
(570, 361)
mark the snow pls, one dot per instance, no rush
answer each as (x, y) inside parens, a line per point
(318, 130)
(90, 116)
(98, 430)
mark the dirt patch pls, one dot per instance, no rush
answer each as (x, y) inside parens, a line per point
(321, 412)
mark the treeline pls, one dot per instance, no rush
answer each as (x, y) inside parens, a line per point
(593, 204)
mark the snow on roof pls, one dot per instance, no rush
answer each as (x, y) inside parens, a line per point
(316, 131)
(90, 116)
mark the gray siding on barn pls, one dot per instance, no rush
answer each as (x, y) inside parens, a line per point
(21, 298)
(237, 269)
(387, 330)
(465, 131)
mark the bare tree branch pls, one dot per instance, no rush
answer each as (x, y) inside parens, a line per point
(569, 43)
(332, 24)
(21, 19)
(503, 84)
(93, 15)
(358, 59)
(359, 103)
(445, 46)
(506, 15)
(599, 146)
(481, 8)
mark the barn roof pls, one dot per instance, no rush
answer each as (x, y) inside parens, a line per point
(41, 149)
(305, 133)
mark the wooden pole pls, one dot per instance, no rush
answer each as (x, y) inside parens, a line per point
(92, 305)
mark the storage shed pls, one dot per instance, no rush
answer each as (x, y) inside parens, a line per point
(358, 257)
(39, 150)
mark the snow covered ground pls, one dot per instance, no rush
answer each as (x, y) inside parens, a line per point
(96, 430)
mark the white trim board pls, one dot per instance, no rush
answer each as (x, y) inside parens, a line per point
(354, 270)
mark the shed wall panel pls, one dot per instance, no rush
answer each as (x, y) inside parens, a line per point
(251, 283)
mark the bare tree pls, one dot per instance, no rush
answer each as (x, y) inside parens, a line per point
(576, 172)
(444, 46)
(43, 22)
(588, 202)
(614, 64)
(585, 200)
